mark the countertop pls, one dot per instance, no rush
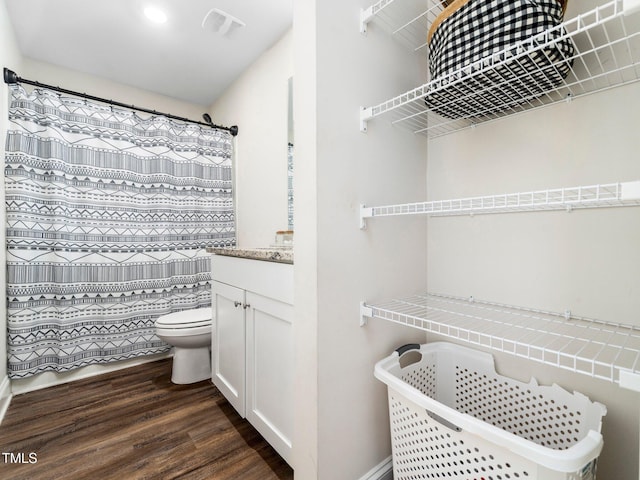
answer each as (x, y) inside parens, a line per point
(268, 254)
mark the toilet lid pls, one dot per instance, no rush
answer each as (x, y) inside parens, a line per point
(198, 317)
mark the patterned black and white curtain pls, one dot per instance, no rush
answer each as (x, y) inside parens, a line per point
(108, 218)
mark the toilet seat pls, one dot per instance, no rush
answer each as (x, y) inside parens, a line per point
(187, 322)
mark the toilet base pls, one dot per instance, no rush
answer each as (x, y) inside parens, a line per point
(191, 365)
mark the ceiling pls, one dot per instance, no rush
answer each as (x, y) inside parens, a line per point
(114, 40)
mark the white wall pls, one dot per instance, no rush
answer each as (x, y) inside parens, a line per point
(306, 420)
(100, 87)
(341, 423)
(258, 103)
(586, 261)
(9, 57)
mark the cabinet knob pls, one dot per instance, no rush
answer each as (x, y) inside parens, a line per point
(246, 305)
(237, 304)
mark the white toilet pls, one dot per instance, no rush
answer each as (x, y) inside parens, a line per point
(189, 332)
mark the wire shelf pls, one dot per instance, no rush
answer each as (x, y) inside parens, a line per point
(621, 194)
(598, 349)
(606, 42)
(407, 21)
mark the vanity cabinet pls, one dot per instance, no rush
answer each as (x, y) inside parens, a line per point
(252, 343)
(228, 343)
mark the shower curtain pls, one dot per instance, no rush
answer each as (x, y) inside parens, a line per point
(108, 218)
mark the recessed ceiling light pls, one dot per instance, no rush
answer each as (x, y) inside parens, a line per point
(155, 15)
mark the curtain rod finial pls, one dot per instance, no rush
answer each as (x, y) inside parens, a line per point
(234, 130)
(10, 76)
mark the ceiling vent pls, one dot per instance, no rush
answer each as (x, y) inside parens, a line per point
(221, 22)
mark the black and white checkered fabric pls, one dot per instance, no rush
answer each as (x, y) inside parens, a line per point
(475, 65)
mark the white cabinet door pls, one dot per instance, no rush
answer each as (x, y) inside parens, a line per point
(270, 370)
(228, 343)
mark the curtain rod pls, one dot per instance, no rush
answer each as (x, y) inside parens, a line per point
(10, 77)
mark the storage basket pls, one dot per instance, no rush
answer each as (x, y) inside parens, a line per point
(488, 56)
(452, 416)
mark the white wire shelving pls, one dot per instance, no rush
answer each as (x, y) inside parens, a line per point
(606, 42)
(595, 348)
(407, 21)
(621, 194)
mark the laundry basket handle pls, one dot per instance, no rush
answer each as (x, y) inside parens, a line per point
(405, 348)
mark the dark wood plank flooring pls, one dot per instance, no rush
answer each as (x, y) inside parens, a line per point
(132, 424)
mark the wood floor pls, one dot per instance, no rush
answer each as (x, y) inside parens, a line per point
(132, 424)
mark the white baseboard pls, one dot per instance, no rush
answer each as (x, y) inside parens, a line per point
(5, 396)
(51, 379)
(382, 471)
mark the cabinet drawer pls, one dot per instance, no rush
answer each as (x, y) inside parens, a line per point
(270, 279)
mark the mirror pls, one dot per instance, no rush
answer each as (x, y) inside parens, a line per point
(290, 157)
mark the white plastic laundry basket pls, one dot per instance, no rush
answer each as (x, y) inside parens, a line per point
(452, 416)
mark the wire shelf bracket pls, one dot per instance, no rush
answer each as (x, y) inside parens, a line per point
(598, 349)
(366, 15)
(365, 115)
(365, 312)
(621, 194)
(606, 41)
